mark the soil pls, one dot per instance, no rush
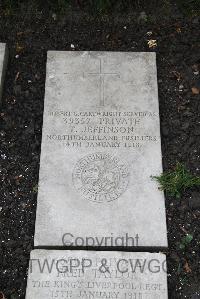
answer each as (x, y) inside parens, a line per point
(29, 36)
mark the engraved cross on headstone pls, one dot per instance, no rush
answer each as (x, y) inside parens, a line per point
(102, 75)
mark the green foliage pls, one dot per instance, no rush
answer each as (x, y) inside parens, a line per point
(189, 7)
(176, 181)
(58, 5)
(186, 240)
(100, 5)
(35, 189)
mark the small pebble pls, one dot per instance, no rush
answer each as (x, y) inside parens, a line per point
(3, 156)
(181, 87)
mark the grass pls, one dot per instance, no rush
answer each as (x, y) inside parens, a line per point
(177, 181)
(189, 7)
(185, 241)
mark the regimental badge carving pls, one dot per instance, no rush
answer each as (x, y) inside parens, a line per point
(99, 177)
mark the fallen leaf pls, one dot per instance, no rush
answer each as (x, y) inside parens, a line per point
(195, 90)
(187, 268)
(152, 43)
(20, 33)
(195, 67)
(19, 48)
(17, 76)
(183, 229)
(2, 296)
(7, 12)
(177, 75)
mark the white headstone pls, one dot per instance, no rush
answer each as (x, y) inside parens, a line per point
(96, 275)
(100, 145)
(3, 62)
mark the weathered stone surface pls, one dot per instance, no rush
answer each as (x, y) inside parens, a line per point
(96, 275)
(3, 63)
(100, 145)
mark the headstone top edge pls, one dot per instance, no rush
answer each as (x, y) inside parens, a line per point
(61, 251)
(51, 53)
